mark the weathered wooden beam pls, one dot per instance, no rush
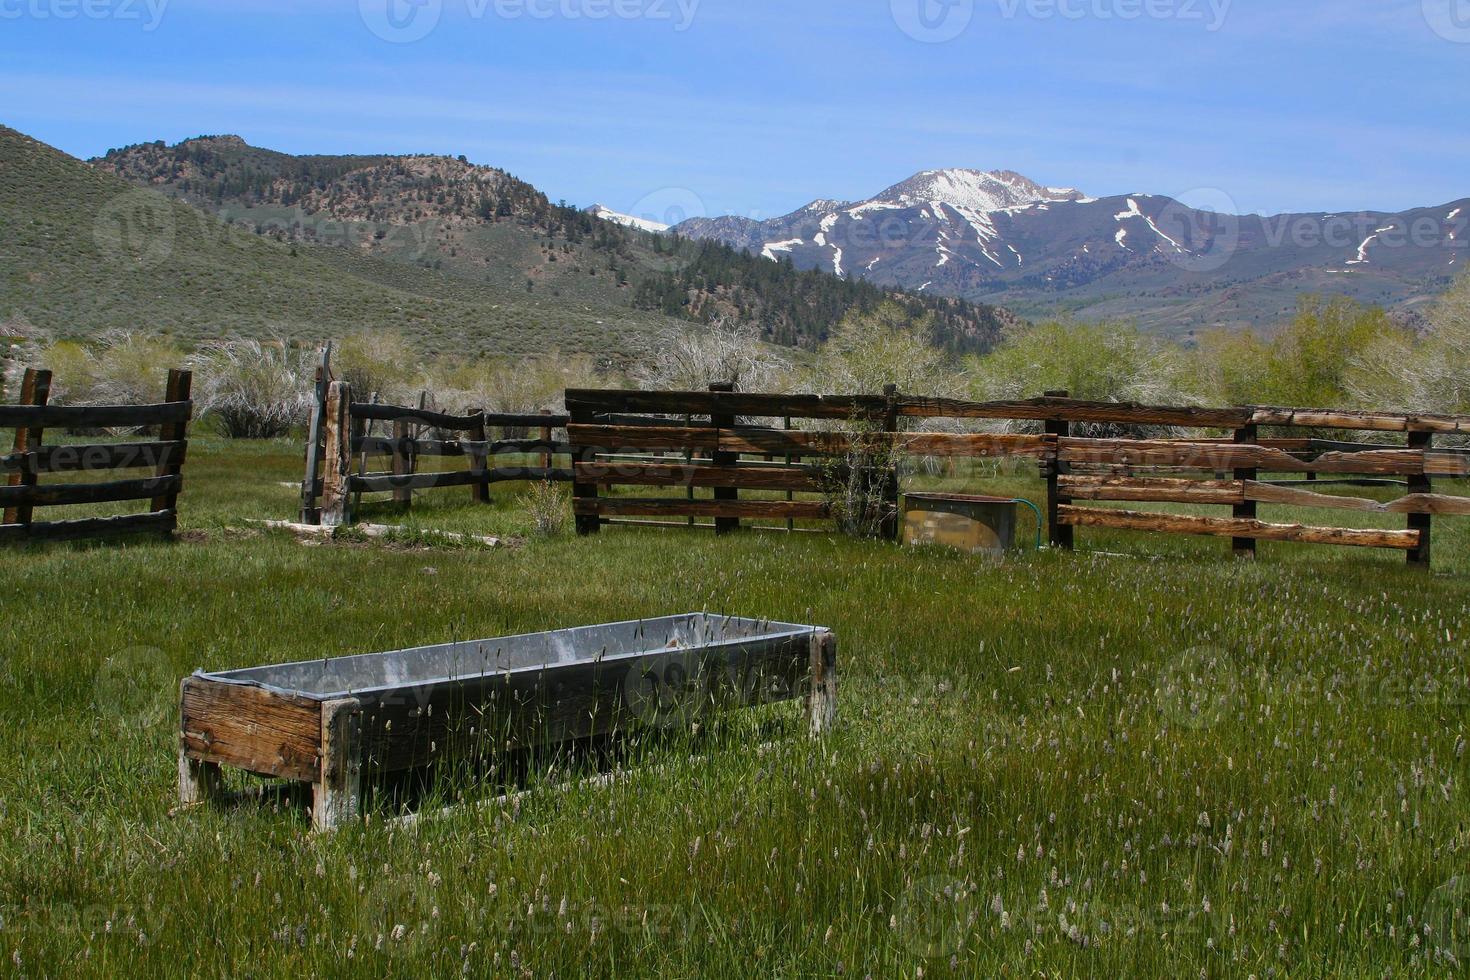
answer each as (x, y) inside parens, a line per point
(93, 416)
(979, 445)
(797, 478)
(312, 477)
(61, 494)
(369, 412)
(163, 522)
(733, 403)
(337, 788)
(1231, 527)
(678, 507)
(1211, 492)
(1061, 409)
(1318, 418)
(178, 391)
(337, 463)
(105, 456)
(821, 696)
(35, 390)
(1220, 456)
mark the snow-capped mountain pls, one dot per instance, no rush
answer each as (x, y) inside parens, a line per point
(1001, 237)
(617, 217)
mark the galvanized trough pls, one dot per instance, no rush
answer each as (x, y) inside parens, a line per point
(331, 721)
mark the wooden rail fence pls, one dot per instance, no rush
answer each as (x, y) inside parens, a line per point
(698, 440)
(30, 459)
(341, 444)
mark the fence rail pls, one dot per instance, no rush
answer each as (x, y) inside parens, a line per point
(630, 437)
(30, 459)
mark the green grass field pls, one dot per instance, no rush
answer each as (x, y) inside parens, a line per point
(1158, 761)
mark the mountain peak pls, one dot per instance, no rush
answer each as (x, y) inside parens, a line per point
(978, 190)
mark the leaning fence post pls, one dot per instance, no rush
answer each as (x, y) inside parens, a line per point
(1420, 483)
(719, 421)
(35, 389)
(310, 512)
(1062, 535)
(337, 464)
(1245, 547)
(480, 459)
(171, 463)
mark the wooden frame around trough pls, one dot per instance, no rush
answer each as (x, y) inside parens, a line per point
(331, 722)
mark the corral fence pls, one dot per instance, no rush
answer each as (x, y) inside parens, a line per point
(31, 458)
(344, 453)
(731, 442)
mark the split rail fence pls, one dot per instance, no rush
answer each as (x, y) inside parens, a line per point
(31, 458)
(724, 441)
(343, 450)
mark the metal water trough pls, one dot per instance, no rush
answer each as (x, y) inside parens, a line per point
(979, 525)
(328, 722)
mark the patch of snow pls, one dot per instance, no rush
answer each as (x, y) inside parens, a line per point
(943, 257)
(924, 287)
(1452, 215)
(867, 206)
(627, 220)
(1016, 254)
(768, 252)
(1362, 251)
(1134, 211)
(976, 190)
(1380, 231)
(836, 261)
(1121, 238)
(873, 263)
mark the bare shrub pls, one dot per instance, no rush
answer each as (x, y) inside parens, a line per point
(257, 389)
(724, 351)
(856, 484)
(382, 363)
(128, 367)
(886, 346)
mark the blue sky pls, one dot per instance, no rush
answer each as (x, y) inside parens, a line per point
(757, 106)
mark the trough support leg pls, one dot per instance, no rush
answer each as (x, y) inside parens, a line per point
(199, 782)
(337, 793)
(821, 698)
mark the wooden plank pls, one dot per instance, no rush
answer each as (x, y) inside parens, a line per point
(725, 493)
(612, 438)
(311, 478)
(673, 506)
(385, 482)
(1276, 493)
(1219, 457)
(93, 416)
(1320, 418)
(1231, 527)
(1430, 503)
(798, 478)
(1211, 492)
(337, 463)
(711, 403)
(264, 732)
(368, 412)
(163, 522)
(1060, 409)
(378, 446)
(35, 389)
(546, 420)
(337, 789)
(1446, 464)
(976, 445)
(103, 456)
(178, 391)
(61, 494)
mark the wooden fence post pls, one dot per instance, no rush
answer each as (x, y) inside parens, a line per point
(1062, 535)
(1423, 523)
(586, 523)
(1245, 547)
(724, 525)
(403, 461)
(180, 388)
(337, 465)
(889, 525)
(821, 696)
(480, 460)
(35, 389)
(310, 512)
(546, 461)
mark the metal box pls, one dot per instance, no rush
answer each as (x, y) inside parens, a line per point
(979, 525)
